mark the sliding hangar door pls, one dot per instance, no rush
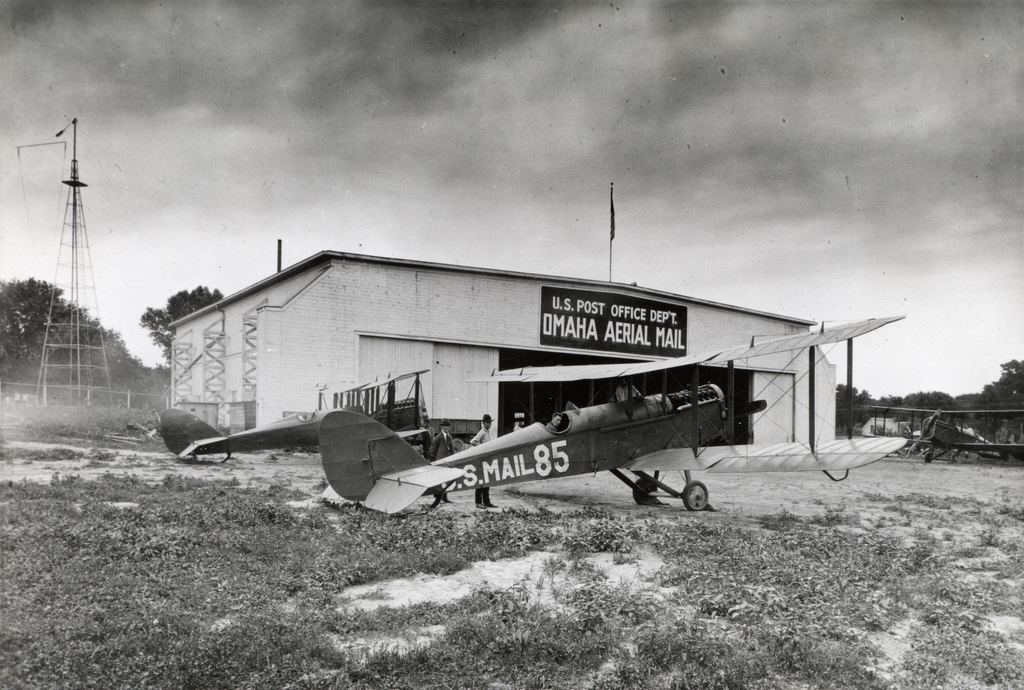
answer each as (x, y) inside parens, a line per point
(445, 386)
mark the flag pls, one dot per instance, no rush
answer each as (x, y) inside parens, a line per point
(611, 199)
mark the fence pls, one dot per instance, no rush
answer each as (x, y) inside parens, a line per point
(28, 394)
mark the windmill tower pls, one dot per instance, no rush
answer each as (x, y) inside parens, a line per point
(74, 369)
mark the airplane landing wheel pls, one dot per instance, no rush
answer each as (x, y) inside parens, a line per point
(695, 496)
(928, 457)
(643, 497)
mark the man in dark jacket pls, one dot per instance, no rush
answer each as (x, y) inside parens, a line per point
(440, 448)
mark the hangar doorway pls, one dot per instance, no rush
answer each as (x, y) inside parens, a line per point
(525, 403)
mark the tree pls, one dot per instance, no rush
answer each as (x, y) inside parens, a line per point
(892, 401)
(1008, 391)
(24, 311)
(860, 398)
(931, 400)
(179, 305)
(861, 402)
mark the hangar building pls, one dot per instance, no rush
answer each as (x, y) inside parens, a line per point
(294, 341)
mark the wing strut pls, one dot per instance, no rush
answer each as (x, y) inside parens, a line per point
(810, 397)
(695, 403)
(849, 388)
(730, 401)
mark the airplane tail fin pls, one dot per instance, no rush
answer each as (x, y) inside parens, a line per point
(356, 451)
(181, 429)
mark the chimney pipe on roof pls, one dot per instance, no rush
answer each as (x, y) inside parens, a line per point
(279, 256)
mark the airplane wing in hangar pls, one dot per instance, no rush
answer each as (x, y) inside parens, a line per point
(767, 347)
(830, 456)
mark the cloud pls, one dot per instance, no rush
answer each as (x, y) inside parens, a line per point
(806, 159)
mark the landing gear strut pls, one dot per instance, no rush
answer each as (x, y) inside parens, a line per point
(694, 495)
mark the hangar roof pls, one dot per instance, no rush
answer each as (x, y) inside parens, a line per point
(328, 256)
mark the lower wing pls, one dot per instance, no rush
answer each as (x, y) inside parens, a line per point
(773, 457)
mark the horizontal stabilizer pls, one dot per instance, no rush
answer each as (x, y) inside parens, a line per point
(180, 429)
(398, 490)
(218, 444)
(796, 457)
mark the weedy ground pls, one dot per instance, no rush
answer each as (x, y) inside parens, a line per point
(119, 583)
(57, 422)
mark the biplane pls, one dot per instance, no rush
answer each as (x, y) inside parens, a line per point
(944, 432)
(186, 435)
(637, 438)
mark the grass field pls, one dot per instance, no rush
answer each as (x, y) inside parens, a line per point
(115, 582)
(122, 568)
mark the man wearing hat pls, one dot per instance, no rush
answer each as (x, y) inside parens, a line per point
(483, 495)
(440, 448)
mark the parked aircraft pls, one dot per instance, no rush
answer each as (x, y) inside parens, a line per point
(186, 435)
(942, 435)
(634, 437)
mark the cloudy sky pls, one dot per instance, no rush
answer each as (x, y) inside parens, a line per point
(831, 161)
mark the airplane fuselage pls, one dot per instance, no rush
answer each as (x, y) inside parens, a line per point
(598, 438)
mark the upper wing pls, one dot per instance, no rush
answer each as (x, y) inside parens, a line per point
(397, 490)
(767, 347)
(773, 457)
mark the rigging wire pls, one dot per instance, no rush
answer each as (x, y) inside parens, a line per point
(24, 194)
(772, 384)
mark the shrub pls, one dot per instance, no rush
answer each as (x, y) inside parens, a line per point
(604, 533)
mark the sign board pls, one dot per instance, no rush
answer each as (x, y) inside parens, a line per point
(591, 320)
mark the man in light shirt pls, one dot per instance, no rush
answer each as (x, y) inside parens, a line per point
(483, 495)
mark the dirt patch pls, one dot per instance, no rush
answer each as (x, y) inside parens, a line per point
(301, 471)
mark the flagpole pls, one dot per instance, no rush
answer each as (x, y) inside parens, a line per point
(611, 201)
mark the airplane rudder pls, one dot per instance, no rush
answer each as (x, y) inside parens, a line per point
(179, 429)
(344, 451)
